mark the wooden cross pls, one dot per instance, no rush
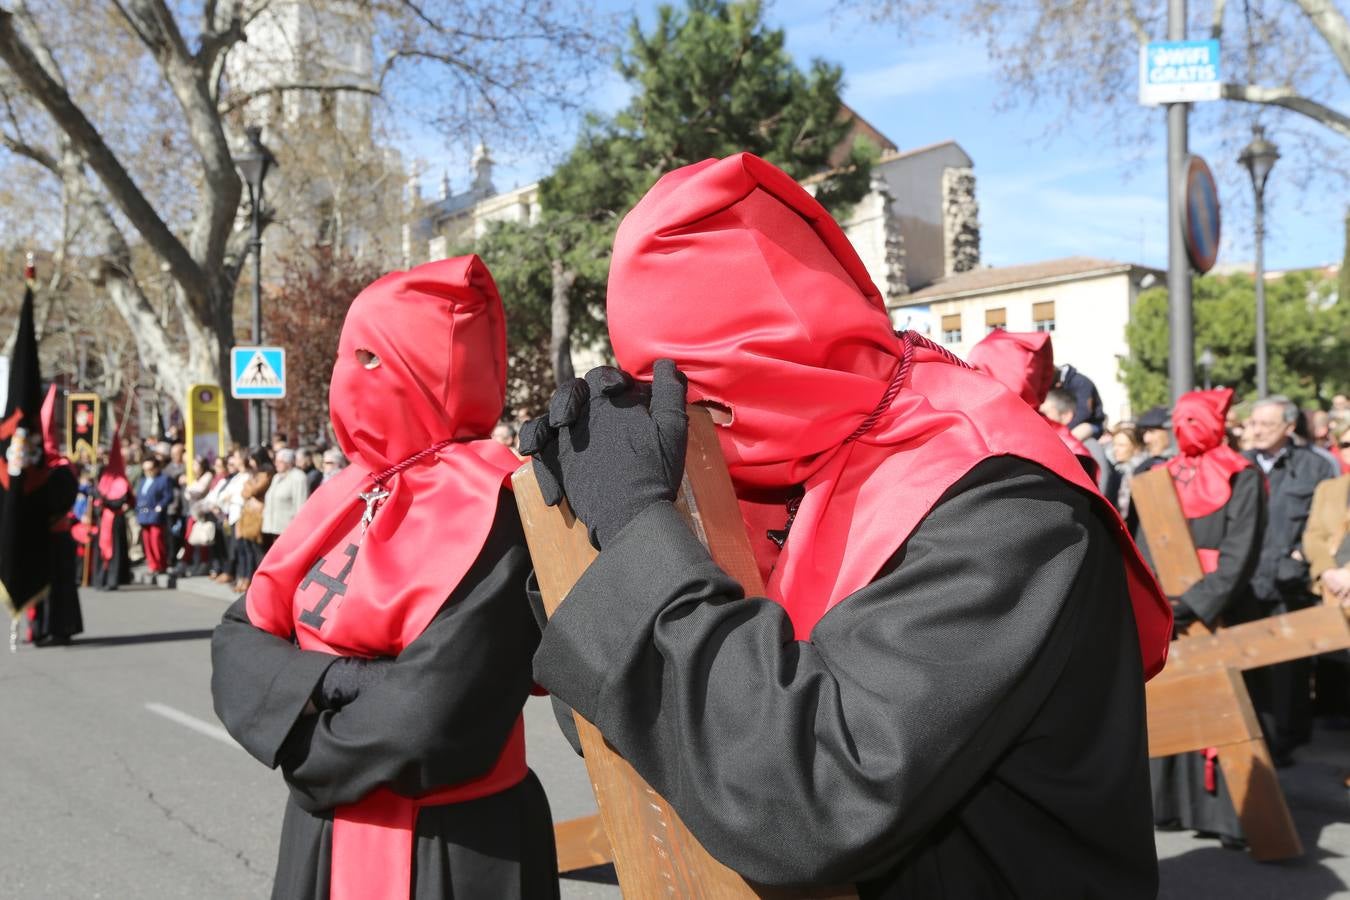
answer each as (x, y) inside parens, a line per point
(1193, 707)
(654, 853)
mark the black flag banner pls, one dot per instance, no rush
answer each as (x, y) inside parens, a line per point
(24, 575)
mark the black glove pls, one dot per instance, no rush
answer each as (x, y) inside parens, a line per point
(610, 446)
(346, 678)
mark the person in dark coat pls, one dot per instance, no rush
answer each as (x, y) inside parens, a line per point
(304, 461)
(1089, 418)
(941, 694)
(1280, 583)
(1223, 496)
(154, 497)
(58, 618)
(381, 657)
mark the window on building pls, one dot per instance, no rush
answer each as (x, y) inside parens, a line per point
(1043, 316)
(995, 319)
(951, 329)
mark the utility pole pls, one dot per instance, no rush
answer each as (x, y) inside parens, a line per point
(1181, 359)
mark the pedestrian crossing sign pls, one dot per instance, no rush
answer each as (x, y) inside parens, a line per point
(258, 373)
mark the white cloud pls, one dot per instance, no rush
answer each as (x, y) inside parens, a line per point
(923, 72)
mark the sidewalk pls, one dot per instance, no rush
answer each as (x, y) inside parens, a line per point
(199, 585)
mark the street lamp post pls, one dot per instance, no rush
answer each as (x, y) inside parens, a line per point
(1206, 361)
(1259, 158)
(254, 164)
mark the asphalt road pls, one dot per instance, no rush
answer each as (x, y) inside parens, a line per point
(119, 781)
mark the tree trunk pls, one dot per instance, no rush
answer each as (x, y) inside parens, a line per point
(560, 336)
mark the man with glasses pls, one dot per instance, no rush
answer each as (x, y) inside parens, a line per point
(1280, 584)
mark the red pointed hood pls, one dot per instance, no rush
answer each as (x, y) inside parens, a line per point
(51, 441)
(1023, 362)
(732, 270)
(1204, 466)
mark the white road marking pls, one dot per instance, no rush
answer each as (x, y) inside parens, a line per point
(196, 724)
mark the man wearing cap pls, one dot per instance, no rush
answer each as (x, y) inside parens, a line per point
(1155, 430)
(941, 694)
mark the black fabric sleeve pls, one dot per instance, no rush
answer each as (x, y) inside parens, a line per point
(825, 761)
(260, 683)
(445, 706)
(1244, 519)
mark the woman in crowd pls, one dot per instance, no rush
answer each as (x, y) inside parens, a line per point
(397, 719)
(248, 529)
(212, 509)
(1128, 452)
(289, 489)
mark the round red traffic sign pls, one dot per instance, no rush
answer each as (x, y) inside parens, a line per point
(1200, 215)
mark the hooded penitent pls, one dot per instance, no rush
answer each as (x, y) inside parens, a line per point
(112, 486)
(23, 520)
(732, 270)
(1024, 363)
(1204, 466)
(418, 384)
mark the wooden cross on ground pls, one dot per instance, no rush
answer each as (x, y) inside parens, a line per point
(654, 853)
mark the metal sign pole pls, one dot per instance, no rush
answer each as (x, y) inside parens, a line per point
(1181, 363)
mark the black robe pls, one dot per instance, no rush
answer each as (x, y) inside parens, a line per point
(110, 574)
(971, 724)
(58, 618)
(440, 716)
(1180, 797)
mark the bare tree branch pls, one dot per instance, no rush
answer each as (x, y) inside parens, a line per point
(44, 88)
(187, 76)
(36, 154)
(1216, 20)
(242, 100)
(1288, 98)
(1331, 23)
(1132, 18)
(156, 353)
(215, 42)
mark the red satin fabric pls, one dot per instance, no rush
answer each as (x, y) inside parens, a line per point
(439, 333)
(51, 442)
(732, 270)
(1024, 363)
(379, 830)
(1204, 466)
(113, 485)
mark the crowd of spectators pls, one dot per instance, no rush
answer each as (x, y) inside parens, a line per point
(217, 517)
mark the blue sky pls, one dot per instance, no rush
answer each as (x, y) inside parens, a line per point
(1048, 186)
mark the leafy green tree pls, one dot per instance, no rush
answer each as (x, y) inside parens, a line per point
(709, 80)
(1307, 337)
